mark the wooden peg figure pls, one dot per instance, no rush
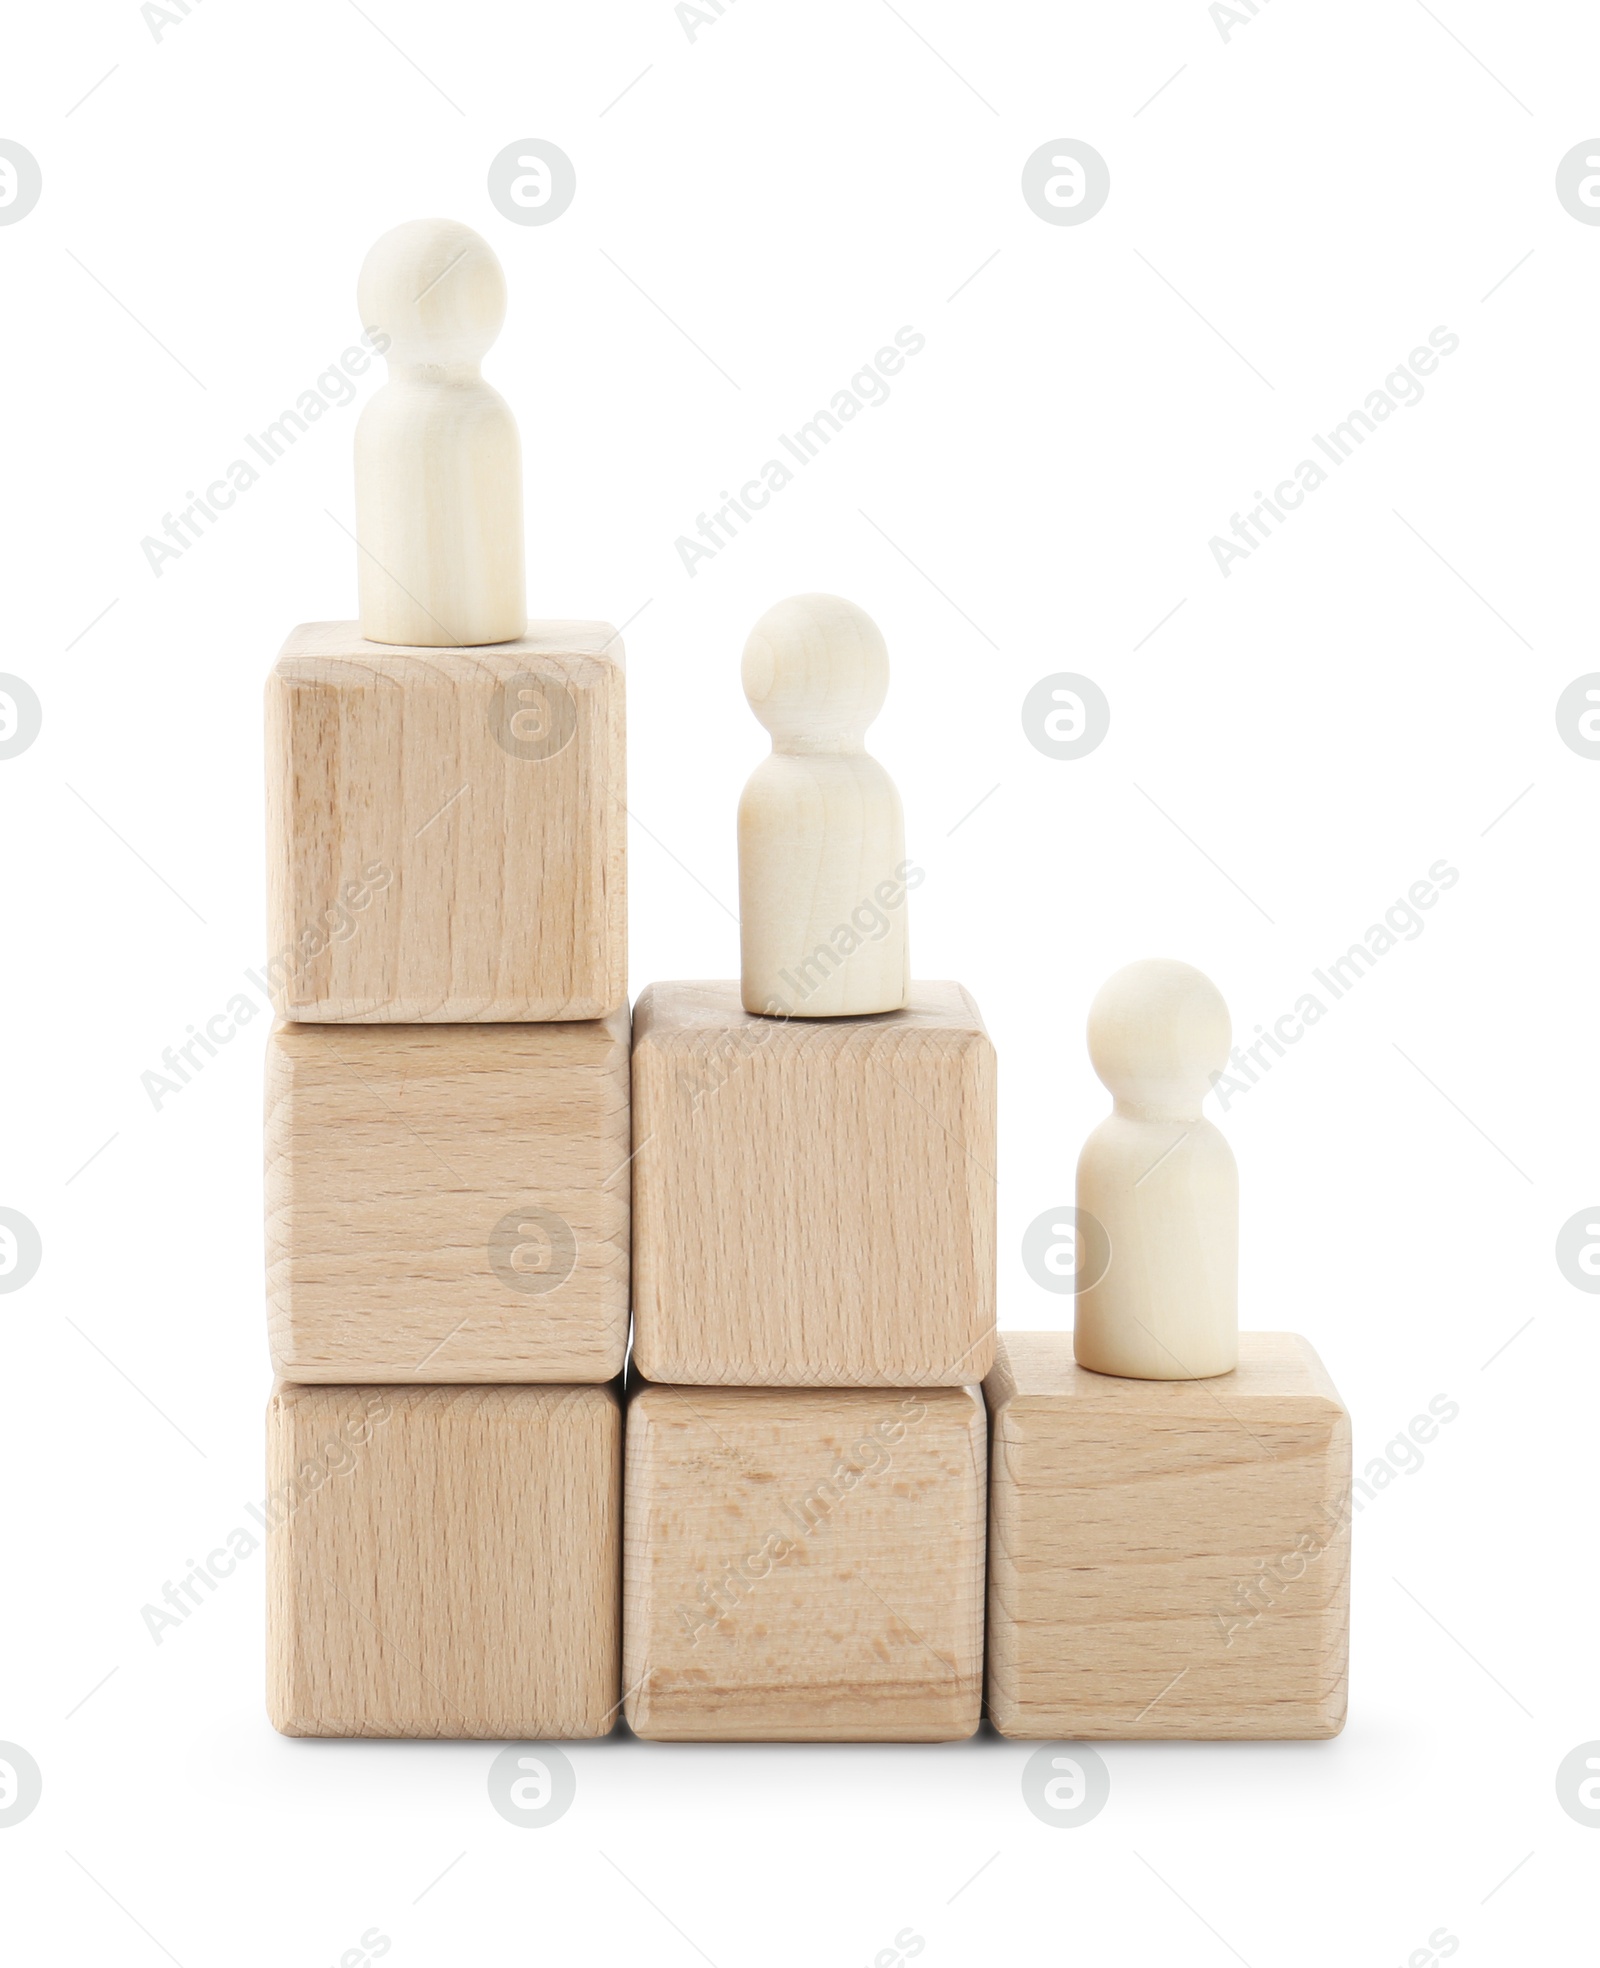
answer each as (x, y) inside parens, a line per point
(822, 867)
(1161, 1181)
(438, 461)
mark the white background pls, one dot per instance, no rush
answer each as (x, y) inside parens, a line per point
(1369, 692)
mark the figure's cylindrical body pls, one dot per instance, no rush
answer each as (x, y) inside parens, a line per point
(1166, 1193)
(822, 857)
(822, 894)
(439, 514)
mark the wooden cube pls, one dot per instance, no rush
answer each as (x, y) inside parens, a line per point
(446, 828)
(448, 1203)
(814, 1199)
(443, 1561)
(804, 1565)
(1167, 1557)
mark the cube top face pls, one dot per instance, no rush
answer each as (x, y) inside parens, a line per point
(443, 1561)
(448, 1203)
(804, 1565)
(446, 828)
(1035, 1370)
(1168, 1558)
(814, 1200)
(685, 1009)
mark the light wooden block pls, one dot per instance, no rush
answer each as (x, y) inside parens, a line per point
(814, 1201)
(1167, 1558)
(448, 1202)
(443, 1561)
(446, 828)
(804, 1565)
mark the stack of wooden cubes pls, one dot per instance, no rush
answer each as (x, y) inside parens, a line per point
(814, 1281)
(448, 1162)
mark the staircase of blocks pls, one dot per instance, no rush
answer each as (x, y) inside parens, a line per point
(828, 1501)
(645, 1368)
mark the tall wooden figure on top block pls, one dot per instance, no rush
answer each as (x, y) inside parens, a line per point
(438, 461)
(446, 780)
(821, 833)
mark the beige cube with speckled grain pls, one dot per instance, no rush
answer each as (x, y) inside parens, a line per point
(804, 1565)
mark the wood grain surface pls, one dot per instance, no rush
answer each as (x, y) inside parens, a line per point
(446, 829)
(444, 1561)
(448, 1202)
(1167, 1558)
(804, 1565)
(814, 1201)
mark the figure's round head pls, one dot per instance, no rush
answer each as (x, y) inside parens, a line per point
(816, 671)
(1158, 1030)
(435, 288)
